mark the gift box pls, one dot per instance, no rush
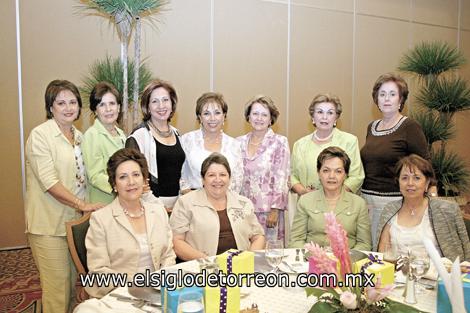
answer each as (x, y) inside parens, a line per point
(170, 298)
(220, 299)
(240, 261)
(373, 265)
(443, 302)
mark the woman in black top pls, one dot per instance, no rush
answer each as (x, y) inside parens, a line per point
(159, 141)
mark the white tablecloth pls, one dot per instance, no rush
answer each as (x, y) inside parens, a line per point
(269, 300)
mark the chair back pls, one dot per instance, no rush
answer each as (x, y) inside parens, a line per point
(76, 233)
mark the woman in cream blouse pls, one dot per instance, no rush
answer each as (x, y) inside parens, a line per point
(55, 193)
(213, 219)
(131, 234)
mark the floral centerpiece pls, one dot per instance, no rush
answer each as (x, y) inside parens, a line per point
(346, 299)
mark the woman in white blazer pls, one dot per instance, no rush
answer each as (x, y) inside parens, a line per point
(131, 234)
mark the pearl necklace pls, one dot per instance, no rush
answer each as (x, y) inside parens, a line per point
(140, 214)
(322, 139)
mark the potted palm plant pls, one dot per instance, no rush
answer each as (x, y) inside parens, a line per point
(126, 16)
(442, 94)
(110, 70)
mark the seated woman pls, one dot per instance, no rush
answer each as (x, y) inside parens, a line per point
(350, 210)
(213, 219)
(130, 235)
(405, 222)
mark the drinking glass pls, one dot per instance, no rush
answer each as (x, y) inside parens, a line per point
(191, 302)
(274, 253)
(419, 266)
(390, 253)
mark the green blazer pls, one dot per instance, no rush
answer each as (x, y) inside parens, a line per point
(309, 220)
(97, 146)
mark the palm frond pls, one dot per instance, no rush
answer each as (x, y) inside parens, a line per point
(448, 95)
(431, 58)
(434, 127)
(451, 173)
(110, 70)
(134, 8)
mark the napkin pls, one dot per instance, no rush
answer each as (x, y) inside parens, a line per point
(452, 281)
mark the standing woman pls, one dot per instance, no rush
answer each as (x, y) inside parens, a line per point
(102, 139)
(388, 139)
(55, 193)
(266, 161)
(324, 110)
(159, 141)
(211, 111)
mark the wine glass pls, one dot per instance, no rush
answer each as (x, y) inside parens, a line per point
(419, 266)
(191, 302)
(274, 253)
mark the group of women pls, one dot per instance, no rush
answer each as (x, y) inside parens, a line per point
(221, 192)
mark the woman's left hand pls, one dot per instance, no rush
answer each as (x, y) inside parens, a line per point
(271, 221)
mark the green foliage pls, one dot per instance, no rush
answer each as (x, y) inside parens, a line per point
(448, 95)
(431, 58)
(440, 96)
(113, 8)
(110, 70)
(435, 127)
(451, 173)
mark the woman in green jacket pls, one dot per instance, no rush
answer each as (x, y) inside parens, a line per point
(101, 140)
(350, 210)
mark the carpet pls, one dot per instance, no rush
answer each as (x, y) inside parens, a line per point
(20, 290)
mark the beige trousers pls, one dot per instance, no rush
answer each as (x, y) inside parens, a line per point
(56, 272)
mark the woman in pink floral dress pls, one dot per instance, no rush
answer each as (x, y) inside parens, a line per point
(266, 163)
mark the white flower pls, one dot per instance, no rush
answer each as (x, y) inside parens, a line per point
(348, 299)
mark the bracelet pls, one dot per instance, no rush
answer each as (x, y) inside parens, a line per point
(77, 203)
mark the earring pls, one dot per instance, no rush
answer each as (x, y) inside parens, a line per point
(334, 124)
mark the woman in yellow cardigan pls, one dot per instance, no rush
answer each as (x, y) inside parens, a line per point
(55, 193)
(350, 210)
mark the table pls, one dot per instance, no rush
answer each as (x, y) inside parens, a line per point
(269, 300)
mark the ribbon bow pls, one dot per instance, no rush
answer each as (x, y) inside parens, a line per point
(372, 259)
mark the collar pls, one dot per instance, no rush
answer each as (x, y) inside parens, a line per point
(200, 199)
(341, 205)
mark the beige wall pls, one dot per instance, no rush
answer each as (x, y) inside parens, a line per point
(245, 48)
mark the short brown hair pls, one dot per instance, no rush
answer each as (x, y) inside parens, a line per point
(210, 97)
(334, 152)
(326, 97)
(99, 91)
(53, 90)
(215, 158)
(414, 161)
(121, 156)
(398, 80)
(145, 100)
(265, 101)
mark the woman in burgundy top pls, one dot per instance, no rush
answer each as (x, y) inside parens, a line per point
(388, 140)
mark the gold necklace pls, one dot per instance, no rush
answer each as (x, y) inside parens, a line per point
(163, 133)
